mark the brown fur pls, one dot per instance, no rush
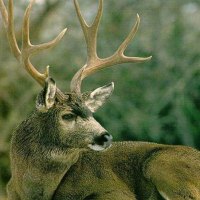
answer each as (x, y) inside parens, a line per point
(48, 162)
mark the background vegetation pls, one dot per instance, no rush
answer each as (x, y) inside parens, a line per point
(156, 101)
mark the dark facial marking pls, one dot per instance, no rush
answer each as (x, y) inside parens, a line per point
(78, 106)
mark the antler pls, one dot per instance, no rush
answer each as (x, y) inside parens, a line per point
(94, 63)
(27, 50)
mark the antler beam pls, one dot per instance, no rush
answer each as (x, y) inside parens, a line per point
(23, 55)
(94, 63)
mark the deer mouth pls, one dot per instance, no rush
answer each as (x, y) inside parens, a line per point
(101, 142)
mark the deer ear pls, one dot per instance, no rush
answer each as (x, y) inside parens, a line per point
(46, 98)
(99, 96)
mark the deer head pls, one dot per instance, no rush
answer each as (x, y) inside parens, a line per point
(70, 114)
(72, 119)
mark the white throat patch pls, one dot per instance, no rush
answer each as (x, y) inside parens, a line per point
(97, 147)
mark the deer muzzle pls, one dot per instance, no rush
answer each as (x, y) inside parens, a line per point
(101, 142)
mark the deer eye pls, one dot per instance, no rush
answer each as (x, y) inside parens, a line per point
(69, 116)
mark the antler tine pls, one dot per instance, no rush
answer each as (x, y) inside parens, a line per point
(130, 36)
(94, 63)
(4, 13)
(90, 32)
(26, 38)
(118, 57)
(28, 49)
(7, 17)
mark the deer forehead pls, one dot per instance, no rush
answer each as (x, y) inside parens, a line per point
(77, 108)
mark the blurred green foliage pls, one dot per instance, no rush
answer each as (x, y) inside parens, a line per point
(156, 101)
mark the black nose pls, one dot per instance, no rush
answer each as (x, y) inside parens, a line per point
(104, 139)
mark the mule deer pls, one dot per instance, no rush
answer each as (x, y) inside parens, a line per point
(61, 152)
